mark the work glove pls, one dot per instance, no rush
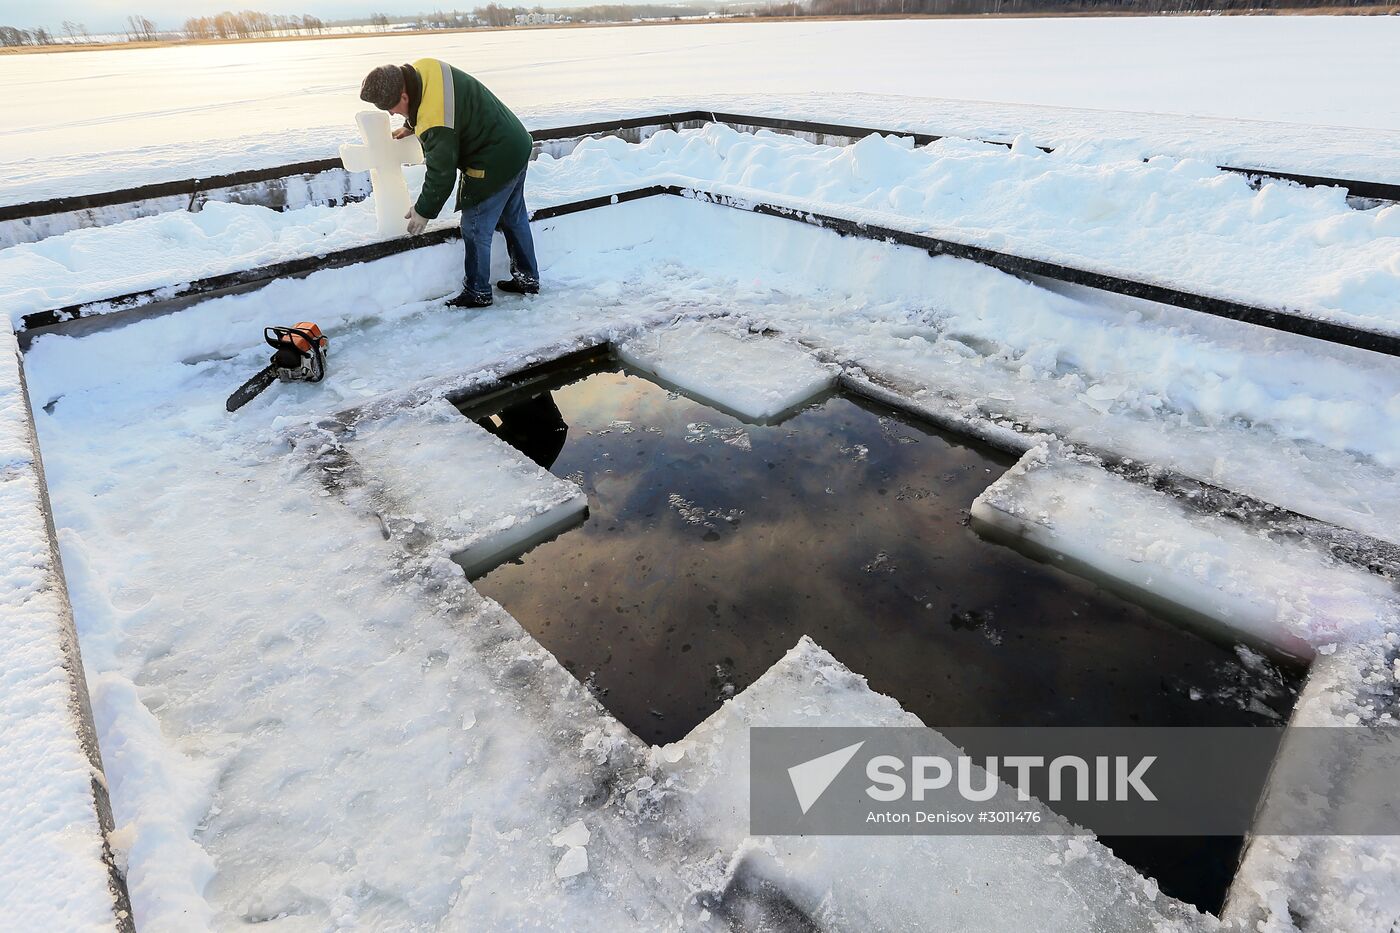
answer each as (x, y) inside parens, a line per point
(417, 223)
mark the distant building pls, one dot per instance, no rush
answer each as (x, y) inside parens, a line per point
(533, 19)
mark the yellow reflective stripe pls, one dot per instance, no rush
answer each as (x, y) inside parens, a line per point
(435, 109)
(475, 172)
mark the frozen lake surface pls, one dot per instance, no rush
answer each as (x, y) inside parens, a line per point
(182, 112)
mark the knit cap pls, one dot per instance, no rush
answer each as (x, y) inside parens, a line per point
(383, 86)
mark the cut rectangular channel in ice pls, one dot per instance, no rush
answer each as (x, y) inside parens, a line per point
(485, 501)
(714, 544)
(757, 377)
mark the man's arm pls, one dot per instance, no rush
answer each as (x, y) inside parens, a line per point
(440, 156)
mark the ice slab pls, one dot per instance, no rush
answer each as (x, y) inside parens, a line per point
(482, 499)
(970, 883)
(1215, 572)
(755, 377)
(1331, 882)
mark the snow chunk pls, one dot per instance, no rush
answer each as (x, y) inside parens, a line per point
(758, 378)
(574, 862)
(575, 834)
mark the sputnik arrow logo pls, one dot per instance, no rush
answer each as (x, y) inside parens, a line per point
(811, 778)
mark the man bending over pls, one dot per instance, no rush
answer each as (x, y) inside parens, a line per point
(465, 130)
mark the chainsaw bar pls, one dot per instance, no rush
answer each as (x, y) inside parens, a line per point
(250, 389)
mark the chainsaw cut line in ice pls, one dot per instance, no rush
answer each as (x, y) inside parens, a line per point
(384, 157)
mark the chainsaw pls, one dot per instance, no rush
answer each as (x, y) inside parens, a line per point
(299, 356)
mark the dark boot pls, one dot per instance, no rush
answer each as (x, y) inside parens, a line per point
(468, 300)
(519, 286)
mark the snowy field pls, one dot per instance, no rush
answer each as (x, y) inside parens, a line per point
(1234, 89)
(310, 720)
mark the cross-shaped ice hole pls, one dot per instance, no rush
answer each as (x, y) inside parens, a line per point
(713, 543)
(383, 157)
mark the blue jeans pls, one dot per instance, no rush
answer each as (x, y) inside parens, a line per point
(503, 210)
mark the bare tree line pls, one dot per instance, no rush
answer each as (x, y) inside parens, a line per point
(251, 24)
(140, 29)
(247, 24)
(11, 36)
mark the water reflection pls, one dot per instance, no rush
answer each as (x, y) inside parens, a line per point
(534, 426)
(712, 546)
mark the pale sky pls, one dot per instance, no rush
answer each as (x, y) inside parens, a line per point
(110, 15)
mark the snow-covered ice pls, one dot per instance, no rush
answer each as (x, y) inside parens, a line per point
(1327, 882)
(52, 873)
(754, 376)
(970, 883)
(1181, 223)
(484, 499)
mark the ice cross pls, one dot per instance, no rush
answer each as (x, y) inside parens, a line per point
(383, 157)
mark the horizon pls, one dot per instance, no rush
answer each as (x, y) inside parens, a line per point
(106, 17)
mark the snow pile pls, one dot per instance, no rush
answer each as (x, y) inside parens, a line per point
(283, 192)
(1287, 596)
(1177, 222)
(756, 377)
(860, 882)
(173, 248)
(52, 872)
(485, 500)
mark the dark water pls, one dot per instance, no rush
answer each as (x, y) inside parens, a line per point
(713, 545)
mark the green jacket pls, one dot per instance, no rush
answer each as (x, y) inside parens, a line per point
(463, 128)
